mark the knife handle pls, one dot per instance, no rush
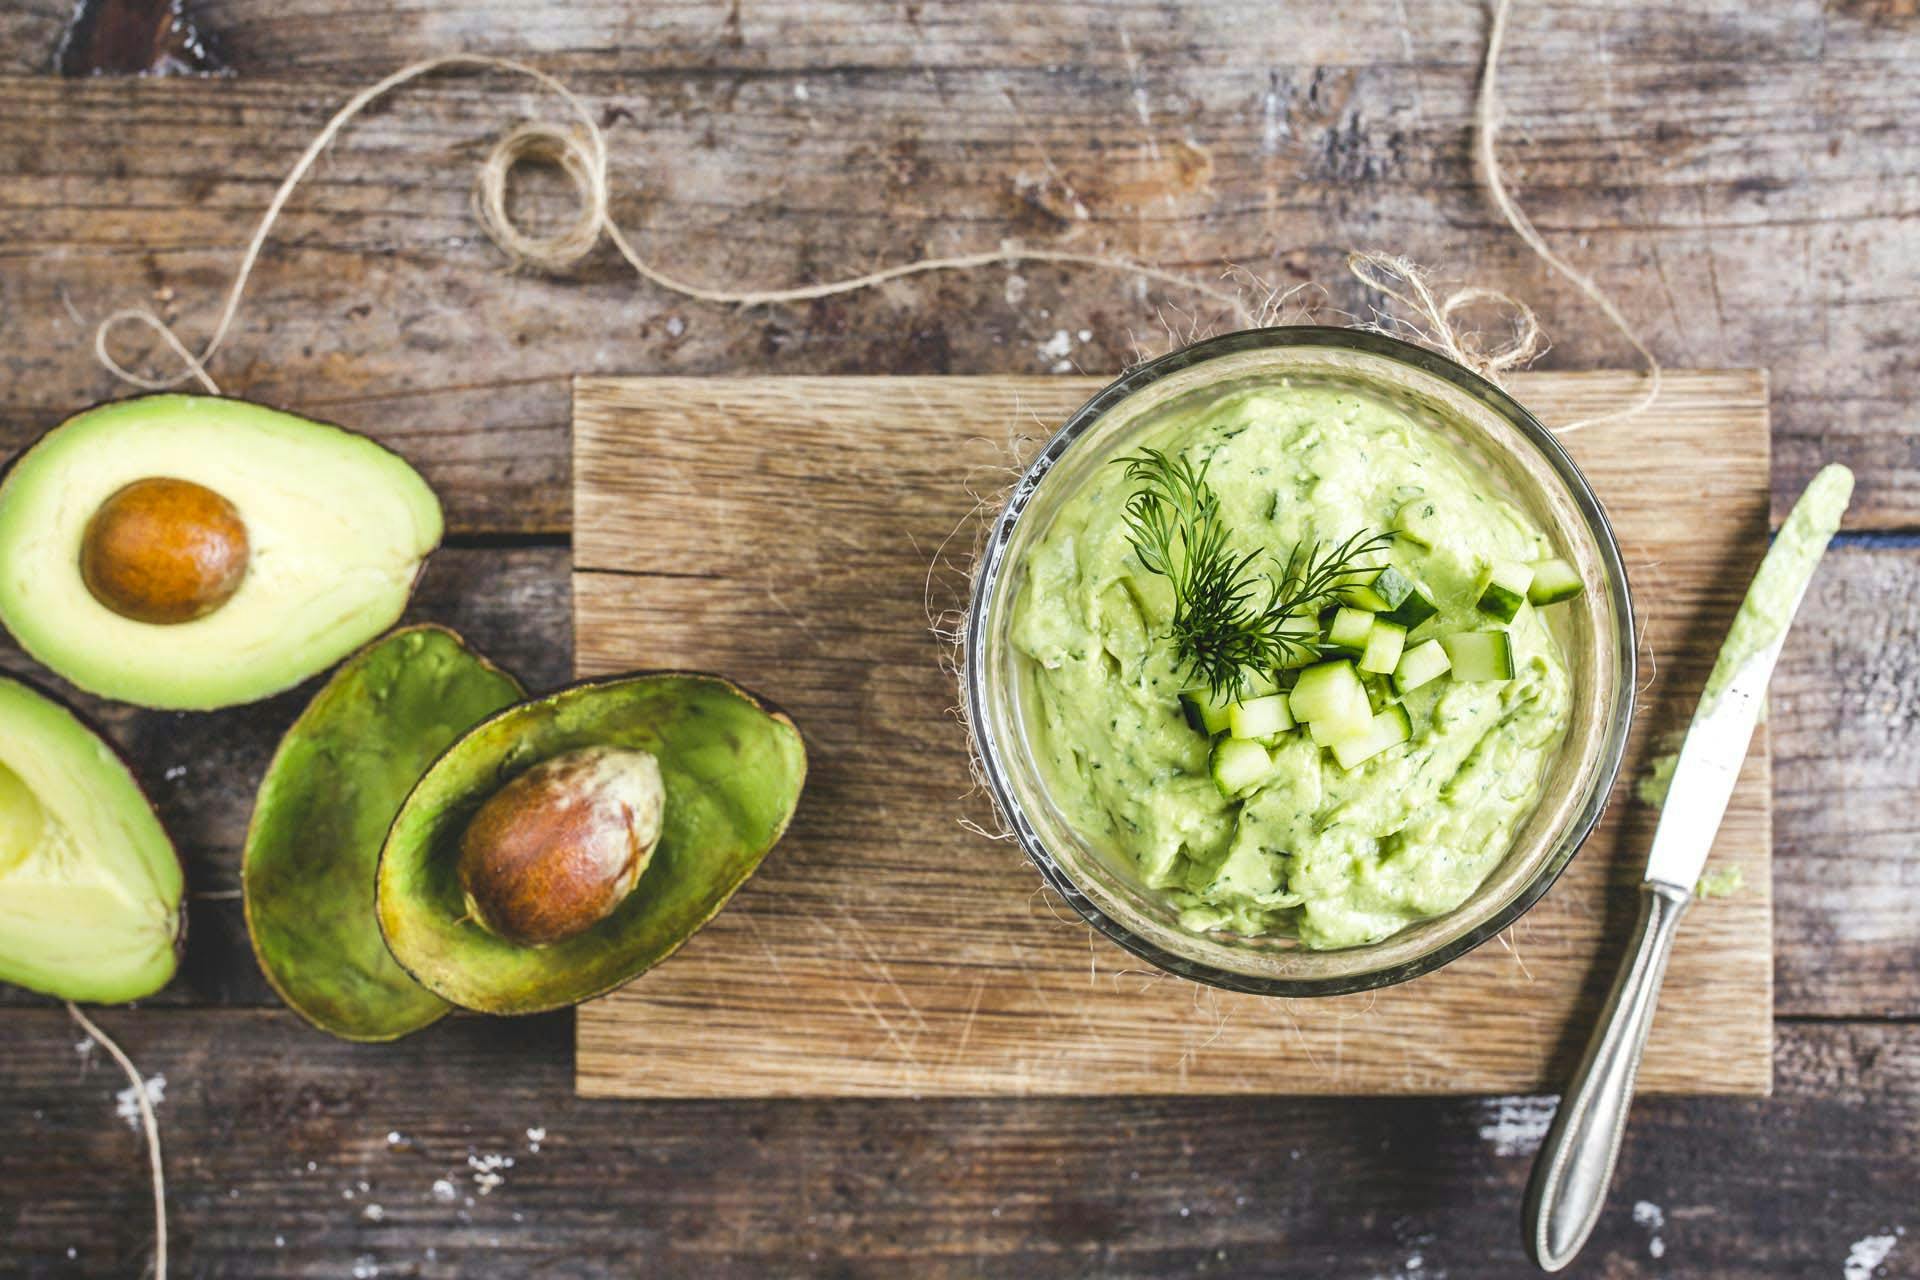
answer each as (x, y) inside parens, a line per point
(1570, 1176)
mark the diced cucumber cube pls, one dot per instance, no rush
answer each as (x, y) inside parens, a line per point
(1384, 643)
(1327, 732)
(1259, 717)
(1420, 664)
(1331, 700)
(1418, 522)
(1479, 655)
(1350, 629)
(1414, 610)
(1385, 590)
(1504, 589)
(1391, 727)
(1256, 684)
(1203, 713)
(1239, 765)
(1325, 691)
(1553, 581)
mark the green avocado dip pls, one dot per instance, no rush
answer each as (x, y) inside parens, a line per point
(1335, 856)
(1783, 575)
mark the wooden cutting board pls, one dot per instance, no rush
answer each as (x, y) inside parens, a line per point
(794, 532)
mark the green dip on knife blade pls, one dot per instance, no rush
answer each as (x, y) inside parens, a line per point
(1783, 575)
(1763, 618)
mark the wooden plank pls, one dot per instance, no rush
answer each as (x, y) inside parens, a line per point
(30, 35)
(1709, 133)
(277, 1141)
(1693, 174)
(784, 36)
(788, 531)
(1848, 945)
(1846, 732)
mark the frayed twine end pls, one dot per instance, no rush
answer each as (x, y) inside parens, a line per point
(149, 1123)
(1438, 322)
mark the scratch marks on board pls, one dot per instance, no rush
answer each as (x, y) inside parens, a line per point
(1142, 99)
(1274, 128)
(855, 931)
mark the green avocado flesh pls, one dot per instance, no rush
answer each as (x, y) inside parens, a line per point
(1331, 855)
(323, 810)
(338, 527)
(89, 883)
(732, 769)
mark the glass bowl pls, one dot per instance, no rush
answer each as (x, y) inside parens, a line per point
(1595, 631)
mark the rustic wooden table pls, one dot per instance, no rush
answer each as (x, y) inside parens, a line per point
(1746, 179)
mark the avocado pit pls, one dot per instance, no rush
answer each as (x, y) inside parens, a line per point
(557, 849)
(164, 551)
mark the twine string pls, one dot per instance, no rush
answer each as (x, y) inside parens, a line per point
(148, 1123)
(1487, 135)
(1437, 321)
(579, 150)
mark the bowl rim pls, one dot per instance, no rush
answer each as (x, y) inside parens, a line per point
(991, 563)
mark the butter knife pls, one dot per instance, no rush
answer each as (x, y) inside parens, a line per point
(1576, 1161)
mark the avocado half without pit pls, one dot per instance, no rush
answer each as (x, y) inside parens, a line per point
(194, 552)
(329, 795)
(90, 886)
(566, 845)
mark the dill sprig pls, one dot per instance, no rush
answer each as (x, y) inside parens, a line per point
(1230, 618)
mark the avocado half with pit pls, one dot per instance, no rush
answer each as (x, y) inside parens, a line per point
(194, 552)
(90, 885)
(568, 844)
(329, 795)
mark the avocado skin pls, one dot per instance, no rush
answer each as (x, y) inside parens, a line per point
(138, 812)
(329, 794)
(733, 765)
(110, 677)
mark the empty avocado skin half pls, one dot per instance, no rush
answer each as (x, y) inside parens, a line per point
(275, 547)
(732, 766)
(90, 885)
(323, 810)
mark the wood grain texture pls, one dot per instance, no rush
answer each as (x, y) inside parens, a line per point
(31, 34)
(1845, 713)
(1741, 177)
(279, 1144)
(1846, 941)
(790, 532)
(787, 36)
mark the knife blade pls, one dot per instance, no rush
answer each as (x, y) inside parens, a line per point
(1575, 1165)
(1723, 722)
